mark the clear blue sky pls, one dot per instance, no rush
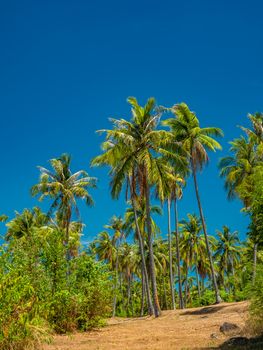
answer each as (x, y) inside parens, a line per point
(66, 66)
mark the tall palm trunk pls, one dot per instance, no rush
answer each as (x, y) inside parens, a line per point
(68, 219)
(164, 294)
(170, 254)
(186, 283)
(143, 292)
(156, 306)
(217, 295)
(181, 300)
(141, 247)
(254, 263)
(116, 284)
(198, 282)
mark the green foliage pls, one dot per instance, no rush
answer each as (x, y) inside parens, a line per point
(256, 305)
(37, 295)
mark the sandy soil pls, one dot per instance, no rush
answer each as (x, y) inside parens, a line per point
(181, 329)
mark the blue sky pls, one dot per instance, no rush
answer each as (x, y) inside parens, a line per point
(67, 66)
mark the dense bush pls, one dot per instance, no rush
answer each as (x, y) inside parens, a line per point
(39, 296)
(256, 305)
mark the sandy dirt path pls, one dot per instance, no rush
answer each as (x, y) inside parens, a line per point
(196, 328)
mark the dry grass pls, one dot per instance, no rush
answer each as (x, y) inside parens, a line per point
(196, 328)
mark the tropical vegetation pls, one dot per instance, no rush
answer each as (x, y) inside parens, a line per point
(52, 283)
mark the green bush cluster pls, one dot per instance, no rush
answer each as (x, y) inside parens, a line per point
(41, 292)
(256, 305)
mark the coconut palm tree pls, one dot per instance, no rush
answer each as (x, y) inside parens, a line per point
(64, 188)
(105, 248)
(25, 223)
(192, 246)
(196, 141)
(128, 265)
(175, 191)
(118, 228)
(238, 171)
(130, 225)
(131, 149)
(227, 251)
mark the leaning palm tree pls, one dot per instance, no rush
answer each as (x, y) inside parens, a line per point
(131, 149)
(196, 141)
(64, 188)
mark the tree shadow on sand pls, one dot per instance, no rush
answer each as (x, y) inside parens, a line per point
(242, 343)
(205, 310)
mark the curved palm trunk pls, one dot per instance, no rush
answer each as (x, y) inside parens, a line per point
(156, 306)
(138, 231)
(254, 263)
(170, 254)
(217, 295)
(181, 300)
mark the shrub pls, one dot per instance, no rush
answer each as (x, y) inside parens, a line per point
(256, 306)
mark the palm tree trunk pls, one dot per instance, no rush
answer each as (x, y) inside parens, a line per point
(138, 231)
(143, 292)
(164, 294)
(181, 300)
(254, 263)
(217, 295)
(156, 305)
(198, 282)
(186, 284)
(68, 219)
(170, 254)
(116, 284)
(128, 293)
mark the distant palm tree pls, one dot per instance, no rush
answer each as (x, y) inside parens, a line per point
(117, 226)
(25, 223)
(195, 140)
(192, 246)
(139, 217)
(64, 188)
(227, 251)
(128, 265)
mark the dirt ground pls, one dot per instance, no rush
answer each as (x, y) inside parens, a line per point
(196, 328)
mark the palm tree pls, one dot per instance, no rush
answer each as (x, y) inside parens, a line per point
(176, 194)
(238, 168)
(195, 140)
(105, 248)
(238, 171)
(117, 225)
(64, 188)
(130, 149)
(227, 251)
(175, 191)
(130, 225)
(128, 265)
(25, 223)
(192, 246)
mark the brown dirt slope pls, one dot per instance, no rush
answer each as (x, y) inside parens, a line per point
(196, 328)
